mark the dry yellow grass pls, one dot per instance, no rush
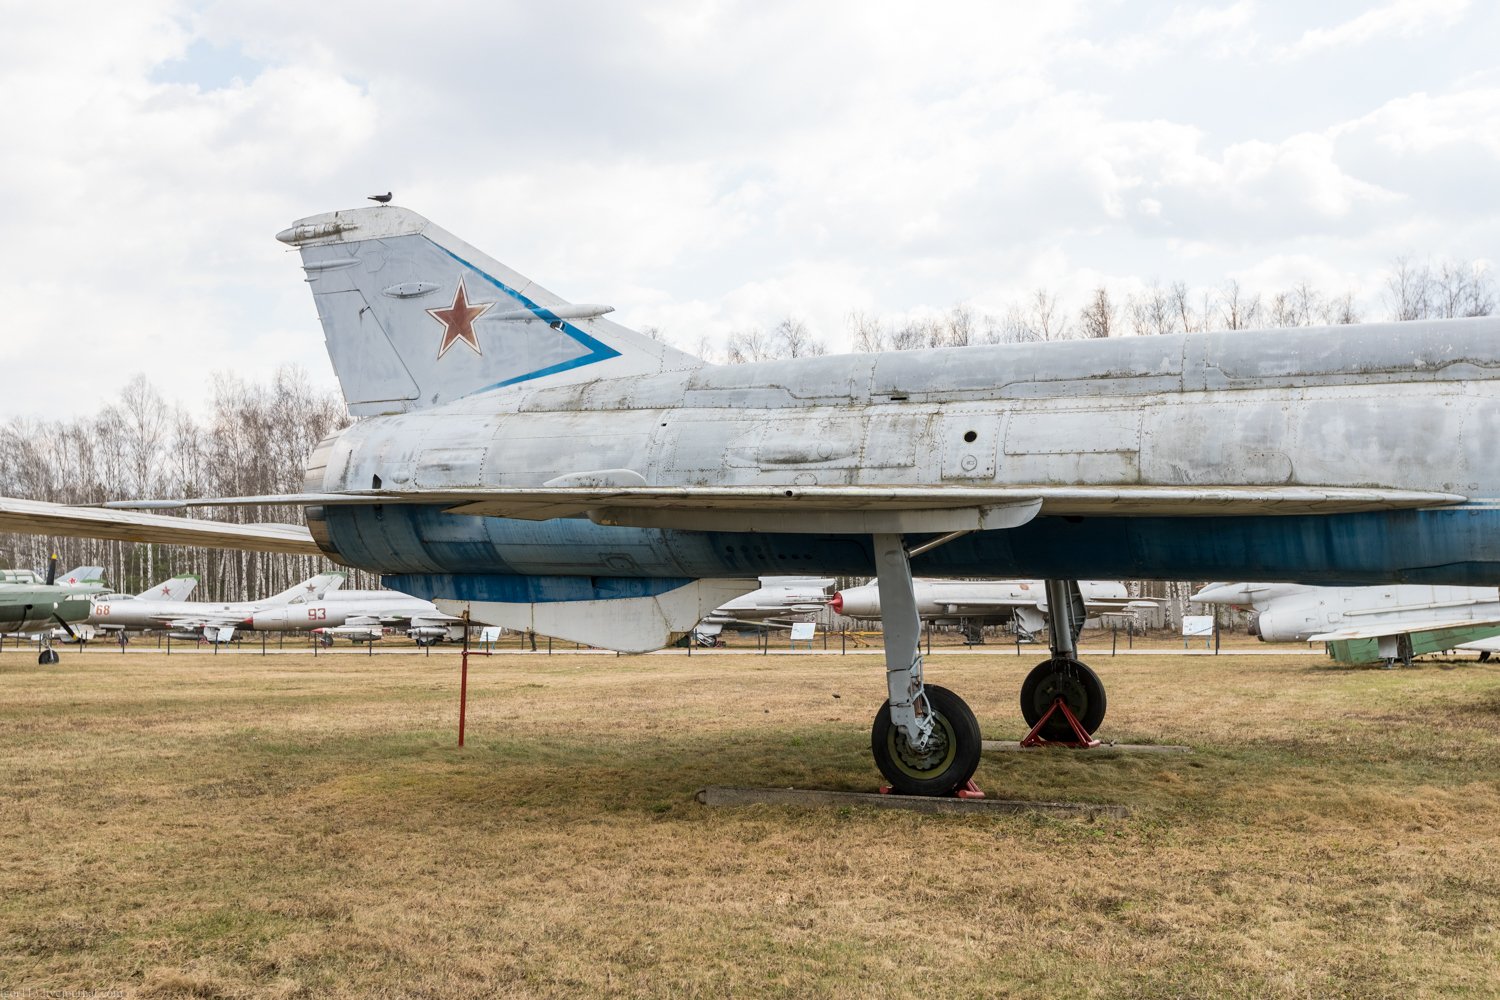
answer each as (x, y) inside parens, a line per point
(245, 826)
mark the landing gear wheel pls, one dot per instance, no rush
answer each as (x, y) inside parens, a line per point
(48, 657)
(1077, 685)
(951, 756)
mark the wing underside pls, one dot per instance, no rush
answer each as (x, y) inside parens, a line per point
(847, 509)
(854, 509)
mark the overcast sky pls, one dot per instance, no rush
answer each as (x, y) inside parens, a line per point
(705, 167)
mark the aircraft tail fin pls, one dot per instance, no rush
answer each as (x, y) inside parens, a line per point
(81, 576)
(413, 316)
(311, 589)
(179, 588)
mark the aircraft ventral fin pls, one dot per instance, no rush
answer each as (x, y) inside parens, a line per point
(859, 509)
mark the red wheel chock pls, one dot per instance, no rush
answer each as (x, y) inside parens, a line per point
(1083, 741)
(968, 791)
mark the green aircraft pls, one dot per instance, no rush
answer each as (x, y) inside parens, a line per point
(33, 607)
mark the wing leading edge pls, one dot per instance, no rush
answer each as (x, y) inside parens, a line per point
(38, 517)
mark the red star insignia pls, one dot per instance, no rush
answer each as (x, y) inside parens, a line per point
(165, 591)
(458, 320)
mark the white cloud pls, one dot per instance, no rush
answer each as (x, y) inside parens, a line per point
(1400, 18)
(704, 167)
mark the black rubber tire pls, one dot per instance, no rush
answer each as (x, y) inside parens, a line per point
(47, 657)
(931, 774)
(1081, 689)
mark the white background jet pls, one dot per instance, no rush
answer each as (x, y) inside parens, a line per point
(780, 598)
(214, 620)
(1365, 624)
(363, 612)
(988, 601)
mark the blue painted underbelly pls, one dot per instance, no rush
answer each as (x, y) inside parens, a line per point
(1458, 546)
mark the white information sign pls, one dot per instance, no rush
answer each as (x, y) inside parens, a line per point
(1196, 625)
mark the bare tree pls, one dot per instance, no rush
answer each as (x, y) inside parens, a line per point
(1151, 312)
(706, 349)
(1307, 303)
(1049, 322)
(960, 326)
(1408, 290)
(1237, 310)
(1282, 310)
(1461, 289)
(748, 345)
(794, 340)
(866, 332)
(1097, 319)
(909, 336)
(1340, 311)
(1188, 319)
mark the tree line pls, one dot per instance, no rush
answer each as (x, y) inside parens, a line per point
(254, 439)
(1410, 290)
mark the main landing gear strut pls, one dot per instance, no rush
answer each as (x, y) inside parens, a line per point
(1062, 690)
(925, 739)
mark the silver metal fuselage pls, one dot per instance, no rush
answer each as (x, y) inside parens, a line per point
(1415, 406)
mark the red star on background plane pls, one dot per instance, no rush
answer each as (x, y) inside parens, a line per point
(458, 320)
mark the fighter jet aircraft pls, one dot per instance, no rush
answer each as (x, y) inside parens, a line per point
(779, 598)
(979, 602)
(360, 612)
(1365, 624)
(779, 602)
(527, 462)
(173, 591)
(216, 621)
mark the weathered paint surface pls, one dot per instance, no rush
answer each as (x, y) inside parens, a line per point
(1411, 406)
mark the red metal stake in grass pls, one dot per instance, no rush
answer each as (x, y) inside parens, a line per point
(463, 691)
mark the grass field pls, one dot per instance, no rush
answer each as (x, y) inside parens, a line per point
(284, 827)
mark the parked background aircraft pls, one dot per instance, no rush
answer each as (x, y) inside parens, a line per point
(90, 577)
(216, 621)
(973, 603)
(529, 462)
(779, 601)
(173, 591)
(31, 607)
(779, 598)
(361, 609)
(1365, 624)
